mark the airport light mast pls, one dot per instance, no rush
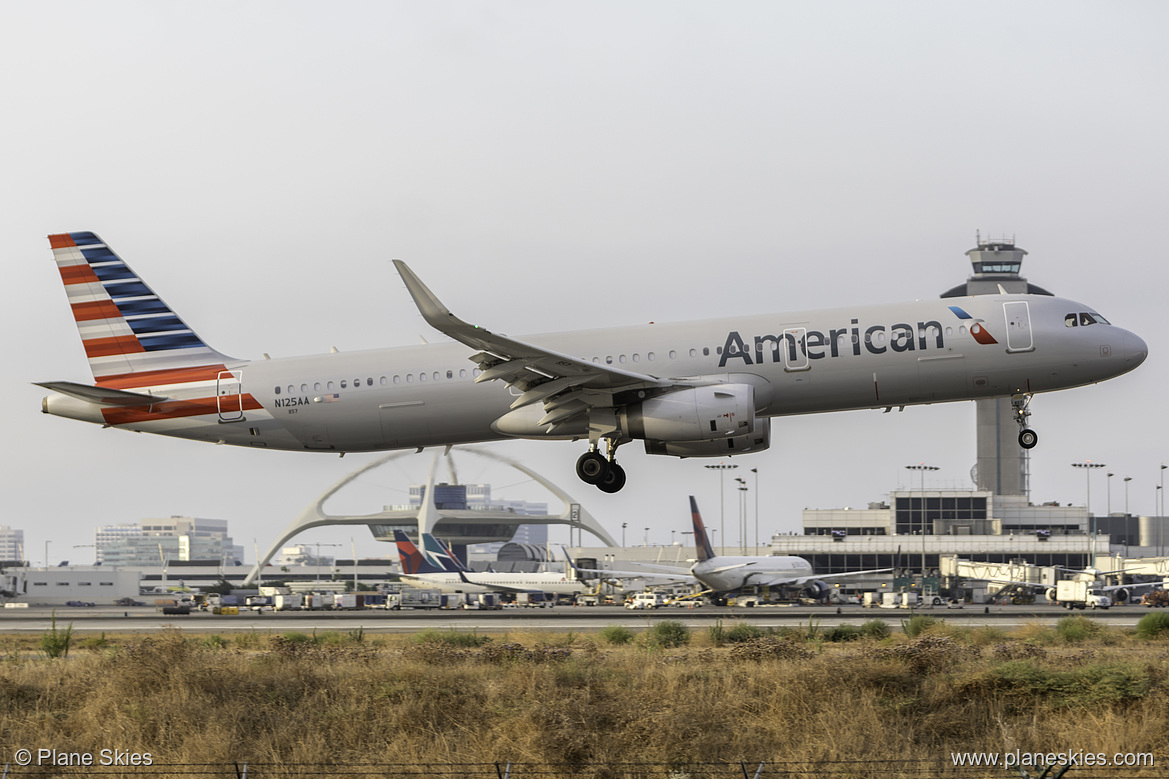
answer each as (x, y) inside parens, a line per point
(922, 468)
(1088, 466)
(722, 514)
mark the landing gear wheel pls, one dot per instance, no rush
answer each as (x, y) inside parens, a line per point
(614, 480)
(1028, 438)
(592, 468)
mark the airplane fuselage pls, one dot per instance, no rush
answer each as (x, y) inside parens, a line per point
(731, 573)
(554, 583)
(804, 362)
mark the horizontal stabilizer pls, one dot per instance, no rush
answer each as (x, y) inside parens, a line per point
(101, 396)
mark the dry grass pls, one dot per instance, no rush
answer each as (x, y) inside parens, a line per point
(337, 698)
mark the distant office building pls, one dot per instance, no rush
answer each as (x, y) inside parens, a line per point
(108, 535)
(11, 543)
(177, 538)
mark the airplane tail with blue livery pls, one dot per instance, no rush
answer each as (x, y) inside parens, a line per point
(433, 557)
(148, 365)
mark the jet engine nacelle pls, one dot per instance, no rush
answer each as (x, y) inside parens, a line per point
(1051, 596)
(817, 589)
(755, 441)
(694, 414)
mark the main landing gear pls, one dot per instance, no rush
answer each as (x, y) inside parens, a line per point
(1027, 437)
(601, 471)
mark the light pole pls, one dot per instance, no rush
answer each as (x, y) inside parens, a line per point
(756, 472)
(47, 554)
(623, 526)
(1108, 484)
(1127, 479)
(722, 515)
(1161, 494)
(647, 536)
(742, 516)
(1088, 466)
(922, 468)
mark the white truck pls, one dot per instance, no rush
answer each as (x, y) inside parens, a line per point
(413, 598)
(646, 600)
(1073, 594)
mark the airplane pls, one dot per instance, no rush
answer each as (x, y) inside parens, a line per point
(435, 566)
(690, 389)
(723, 575)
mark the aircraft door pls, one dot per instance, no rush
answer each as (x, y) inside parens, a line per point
(795, 349)
(229, 396)
(1019, 336)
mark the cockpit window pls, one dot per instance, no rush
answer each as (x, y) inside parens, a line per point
(1084, 318)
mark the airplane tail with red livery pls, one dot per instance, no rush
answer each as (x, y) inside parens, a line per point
(148, 365)
(131, 336)
(701, 542)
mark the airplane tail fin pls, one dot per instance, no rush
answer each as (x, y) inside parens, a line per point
(437, 554)
(131, 337)
(408, 555)
(701, 542)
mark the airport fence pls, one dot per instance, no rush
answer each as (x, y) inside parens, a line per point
(823, 769)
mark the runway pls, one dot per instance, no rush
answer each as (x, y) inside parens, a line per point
(561, 618)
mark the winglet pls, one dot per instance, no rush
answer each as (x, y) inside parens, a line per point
(433, 311)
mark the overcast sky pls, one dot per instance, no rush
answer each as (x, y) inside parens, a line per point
(558, 166)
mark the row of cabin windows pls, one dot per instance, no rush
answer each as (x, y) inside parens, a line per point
(463, 373)
(382, 381)
(608, 359)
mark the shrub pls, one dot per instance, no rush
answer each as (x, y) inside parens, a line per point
(451, 638)
(1077, 628)
(743, 631)
(94, 643)
(54, 642)
(875, 628)
(1155, 624)
(917, 624)
(843, 633)
(669, 633)
(616, 634)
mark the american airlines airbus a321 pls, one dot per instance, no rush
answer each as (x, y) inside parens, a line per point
(691, 389)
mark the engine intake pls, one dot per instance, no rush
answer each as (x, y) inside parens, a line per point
(696, 414)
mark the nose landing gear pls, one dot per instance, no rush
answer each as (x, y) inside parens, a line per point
(601, 471)
(1027, 437)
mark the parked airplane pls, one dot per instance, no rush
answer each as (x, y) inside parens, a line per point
(722, 575)
(692, 389)
(435, 566)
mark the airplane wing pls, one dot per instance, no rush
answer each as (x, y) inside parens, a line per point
(102, 396)
(561, 381)
(609, 573)
(799, 581)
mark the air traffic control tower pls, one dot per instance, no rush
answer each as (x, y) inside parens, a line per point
(1002, 464)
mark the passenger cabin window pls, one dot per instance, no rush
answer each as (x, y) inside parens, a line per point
(277, 390)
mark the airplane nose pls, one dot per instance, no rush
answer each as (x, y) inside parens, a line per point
(1129, 348)
(1135, 349)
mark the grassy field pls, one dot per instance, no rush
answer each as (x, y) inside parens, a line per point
(664, 696)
